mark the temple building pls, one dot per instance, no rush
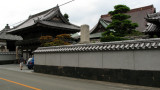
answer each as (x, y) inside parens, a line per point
(138, 16)
(7, 41)
(98, 29)
(153, 24)
(50, 22)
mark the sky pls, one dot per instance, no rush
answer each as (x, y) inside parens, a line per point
(80, 11)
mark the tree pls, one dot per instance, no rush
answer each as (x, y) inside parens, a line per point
(62, 39)
(45, 40)
(120, 25)
(66, 16)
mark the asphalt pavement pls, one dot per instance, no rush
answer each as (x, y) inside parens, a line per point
(15, 67)
(12, 78)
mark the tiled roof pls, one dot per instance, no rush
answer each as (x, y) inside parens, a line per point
(45, 17)
(102, 22)
(151, 7)
(154, 15)
(8, 53)
(107, 46)
(2, 43)
(96, 35)
(138, 15)
(5, 36)
(61, 25)
(152, 28)
(154, 20)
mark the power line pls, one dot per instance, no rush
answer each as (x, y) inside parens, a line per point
(17, 23)
(66, 3)
(59, 6)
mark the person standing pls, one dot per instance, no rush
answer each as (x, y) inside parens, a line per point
(21, 62)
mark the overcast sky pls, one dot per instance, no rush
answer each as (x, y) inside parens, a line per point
(79, 11)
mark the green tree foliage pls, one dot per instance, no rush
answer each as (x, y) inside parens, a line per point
(66, 16)
(119, 9)
(111, 37)
(120, 25)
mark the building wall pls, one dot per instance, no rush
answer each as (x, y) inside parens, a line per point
(132, 60)
(147, 60)
(7, 58)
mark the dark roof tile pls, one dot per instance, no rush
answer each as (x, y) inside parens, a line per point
(45, 18)
(138, 15)
(5, 36)
(61, 25)
(154, 20)
(107, 46)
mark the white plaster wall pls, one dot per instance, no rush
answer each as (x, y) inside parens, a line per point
(4, 57)
(69, 59)
(90, 59)
(118, 60)
(40, 59)
(133, 60)
(147, 60)
(53, 59)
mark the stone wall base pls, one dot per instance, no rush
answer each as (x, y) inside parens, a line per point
(8, 62)
(144, 78)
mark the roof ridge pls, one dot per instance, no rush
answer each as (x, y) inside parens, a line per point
(153, 15)
(56, 10)
(141, 8)
(19, 24)
(133, 10)
(47, 15)
(32, 16)
(50, 12)
(105, 46)
(43, 12)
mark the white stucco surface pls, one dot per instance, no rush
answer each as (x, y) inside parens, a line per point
(129, 59)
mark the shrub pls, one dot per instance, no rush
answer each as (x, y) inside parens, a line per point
(62, 39)
(45, 39)
(112, 38)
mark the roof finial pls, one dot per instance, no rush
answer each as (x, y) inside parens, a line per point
(7, 26)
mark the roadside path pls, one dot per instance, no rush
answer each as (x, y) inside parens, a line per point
(12, 78)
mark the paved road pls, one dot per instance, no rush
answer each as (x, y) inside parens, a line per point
(11, 78)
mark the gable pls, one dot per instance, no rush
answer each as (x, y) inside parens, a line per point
(51, 18)
(100, 26)
(57, 19)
